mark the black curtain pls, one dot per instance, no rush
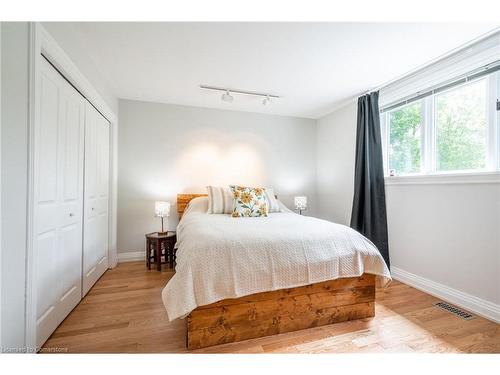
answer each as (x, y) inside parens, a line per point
(368, 209)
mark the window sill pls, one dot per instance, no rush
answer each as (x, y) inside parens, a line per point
(446, 178)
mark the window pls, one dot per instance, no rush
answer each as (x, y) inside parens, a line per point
(461, 126)
(447, 131)
(405, 138)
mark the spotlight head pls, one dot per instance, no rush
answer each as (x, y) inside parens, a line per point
(227, 97)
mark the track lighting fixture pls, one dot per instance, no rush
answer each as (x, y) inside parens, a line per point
(227, 97)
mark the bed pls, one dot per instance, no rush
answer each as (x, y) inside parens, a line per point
(243, 278)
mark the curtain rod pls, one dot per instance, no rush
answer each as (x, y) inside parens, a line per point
(431, 62)
(456, 81)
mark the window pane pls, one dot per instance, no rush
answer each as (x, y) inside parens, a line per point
(461, 127)
(405, 138)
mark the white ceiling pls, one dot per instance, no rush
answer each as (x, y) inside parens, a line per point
(313, 66)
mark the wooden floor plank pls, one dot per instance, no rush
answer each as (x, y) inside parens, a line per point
(124, 313)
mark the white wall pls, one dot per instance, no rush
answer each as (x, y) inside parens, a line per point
(14, 149)
(448, 233)
(169, 149)
(336, 138)
(444, 233)
(74, 45)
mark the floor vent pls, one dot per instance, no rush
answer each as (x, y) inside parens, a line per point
(454, 310)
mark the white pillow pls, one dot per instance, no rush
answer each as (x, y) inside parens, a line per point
(220, 200)
(272, 202)
(198, 204)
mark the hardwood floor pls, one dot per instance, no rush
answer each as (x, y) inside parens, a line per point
(123, 313)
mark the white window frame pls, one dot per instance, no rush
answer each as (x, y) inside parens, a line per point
(428, 162)
(386, 137)
(494, 133)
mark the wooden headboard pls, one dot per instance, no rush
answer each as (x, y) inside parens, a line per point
(184, 199)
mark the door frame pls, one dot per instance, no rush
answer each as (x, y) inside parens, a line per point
(41, 42)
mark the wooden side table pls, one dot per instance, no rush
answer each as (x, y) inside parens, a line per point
(158, 246)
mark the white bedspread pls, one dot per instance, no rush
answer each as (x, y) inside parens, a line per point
(221, 257)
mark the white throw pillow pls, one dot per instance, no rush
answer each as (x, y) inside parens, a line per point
(220, 200)
(272, 202)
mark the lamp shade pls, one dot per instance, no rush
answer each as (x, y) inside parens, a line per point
(300, 203)
(162, 209)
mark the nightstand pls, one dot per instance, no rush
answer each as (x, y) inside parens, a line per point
(158, 247)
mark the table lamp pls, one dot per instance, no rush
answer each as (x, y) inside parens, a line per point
(301, 204)
(162, 209)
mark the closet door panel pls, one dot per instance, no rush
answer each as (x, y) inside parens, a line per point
(73, 174)
(58, 200)
(90, 248)
(90, 153)
(95, 256)
(103, 189)
(72, 198)
(46, 314)
(103, 181)
(48, 135)
(46, 268)
(90, 203)
(68, 260)
(48, 210)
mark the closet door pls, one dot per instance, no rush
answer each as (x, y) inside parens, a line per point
(95, 239)
(58, 198)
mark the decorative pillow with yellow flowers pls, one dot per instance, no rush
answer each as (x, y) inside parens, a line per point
(249, 202)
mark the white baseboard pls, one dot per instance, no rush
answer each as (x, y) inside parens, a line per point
(133, 256)
(479, 306)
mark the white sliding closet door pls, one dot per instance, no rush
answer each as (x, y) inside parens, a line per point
(58, 201)
(95, 239)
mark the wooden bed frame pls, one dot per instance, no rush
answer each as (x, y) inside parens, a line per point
(280, 311)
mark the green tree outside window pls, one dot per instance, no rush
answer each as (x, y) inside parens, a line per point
(461, 128)
(405, 139)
